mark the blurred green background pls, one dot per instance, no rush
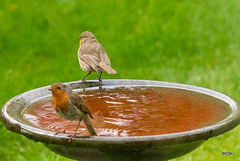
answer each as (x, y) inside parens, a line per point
(190, 41)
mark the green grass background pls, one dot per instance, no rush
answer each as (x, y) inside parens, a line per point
(190, 41)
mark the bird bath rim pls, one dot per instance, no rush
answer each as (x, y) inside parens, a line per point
(49, 137)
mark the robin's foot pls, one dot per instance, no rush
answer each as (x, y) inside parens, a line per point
(83, 80)
(73, 136)
(99, 79)
(56, 133)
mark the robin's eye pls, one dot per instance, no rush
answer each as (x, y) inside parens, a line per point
(59, 88)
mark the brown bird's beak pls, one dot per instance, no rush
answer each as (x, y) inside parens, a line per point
(80, 43)
(50, 89)
(79, 38)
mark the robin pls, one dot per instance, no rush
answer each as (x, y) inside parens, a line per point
(92, 56)
(71, 106)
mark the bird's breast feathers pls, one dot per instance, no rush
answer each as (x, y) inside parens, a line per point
(61, 104)
(73, 113)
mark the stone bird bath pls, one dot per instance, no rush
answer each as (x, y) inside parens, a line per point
(125, 148)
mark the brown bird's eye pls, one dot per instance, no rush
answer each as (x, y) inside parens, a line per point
(59, 88)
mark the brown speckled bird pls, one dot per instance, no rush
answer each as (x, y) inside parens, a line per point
(70, 105)
(92, 56)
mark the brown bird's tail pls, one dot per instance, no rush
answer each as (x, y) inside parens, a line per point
(89, 125)
(107, 68)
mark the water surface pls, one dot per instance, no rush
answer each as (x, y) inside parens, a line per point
(135, 111)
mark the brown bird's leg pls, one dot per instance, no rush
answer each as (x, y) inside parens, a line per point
(75, 131)
(85, 77)
(100, 80)
(67, 126)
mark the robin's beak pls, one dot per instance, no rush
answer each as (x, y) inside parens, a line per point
(50, 89)
(80, 43)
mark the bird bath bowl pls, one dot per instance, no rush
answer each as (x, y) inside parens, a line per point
(142, 146)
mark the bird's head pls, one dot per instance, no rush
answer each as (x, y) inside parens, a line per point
(59, 89)
(84, 36)
(60, 96)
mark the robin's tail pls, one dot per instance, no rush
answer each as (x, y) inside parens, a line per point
(107, 68)
(89, 126)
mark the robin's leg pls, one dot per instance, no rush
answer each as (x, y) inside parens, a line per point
(67, 126)
(75, 131)
(99, 78)
(83, 78)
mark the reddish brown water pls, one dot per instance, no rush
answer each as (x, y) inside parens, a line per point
(135, 111)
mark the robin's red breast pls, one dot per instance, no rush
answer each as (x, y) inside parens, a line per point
(92, 56)
(71, 106)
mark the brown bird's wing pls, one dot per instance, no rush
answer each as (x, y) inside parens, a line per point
(102, 54)
(104, 60)
(77, 100)
(92, 61)
(88, 54)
